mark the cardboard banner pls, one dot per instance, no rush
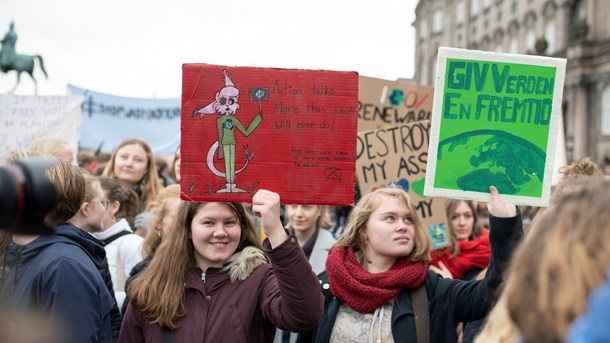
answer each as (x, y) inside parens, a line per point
(384, 103)
(289, 131)
(398, 155)
(495, 122)
(110, 119)
(27, 118)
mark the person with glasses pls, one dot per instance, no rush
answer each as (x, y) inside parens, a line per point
(123, 247)
(58, 275)
(90, 218)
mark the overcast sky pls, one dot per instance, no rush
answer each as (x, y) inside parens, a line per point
(135, 48)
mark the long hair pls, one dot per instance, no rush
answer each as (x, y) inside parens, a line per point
(158, 209)
(561, 261)
(177, 157)
(159, 290)
(353, 235)
(150, 183)
(450, 207)
(70, 186)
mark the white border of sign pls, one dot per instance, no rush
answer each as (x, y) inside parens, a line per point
(439, 85)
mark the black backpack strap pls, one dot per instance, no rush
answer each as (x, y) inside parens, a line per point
(116, 236)
(421, 312)
(167, 335)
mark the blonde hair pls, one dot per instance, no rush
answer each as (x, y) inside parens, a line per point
(353, 235)
(498, 327)
(70, 185)
(150, 183)
(324, 221)
(159, 290)
(49, 145)
(560, 262)
(158, 209)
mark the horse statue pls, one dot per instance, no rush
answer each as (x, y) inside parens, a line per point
(10, 60)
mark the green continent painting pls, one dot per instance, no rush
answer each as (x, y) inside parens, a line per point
(491, 157)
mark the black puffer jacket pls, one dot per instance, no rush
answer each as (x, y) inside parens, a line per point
(450, 301)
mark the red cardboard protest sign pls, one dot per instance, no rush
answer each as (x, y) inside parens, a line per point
(289, 131)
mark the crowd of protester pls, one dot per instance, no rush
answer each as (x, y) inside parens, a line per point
(130, 261)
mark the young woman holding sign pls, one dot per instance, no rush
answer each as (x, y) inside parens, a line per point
(377, 279)
(210, 280)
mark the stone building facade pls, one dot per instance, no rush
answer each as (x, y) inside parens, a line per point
(578, 30)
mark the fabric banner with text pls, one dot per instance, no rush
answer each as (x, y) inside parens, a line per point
(26, 118)
(110, 119)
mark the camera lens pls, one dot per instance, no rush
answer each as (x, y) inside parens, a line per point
(26, 196)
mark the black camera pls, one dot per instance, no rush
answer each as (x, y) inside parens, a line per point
(26, 196)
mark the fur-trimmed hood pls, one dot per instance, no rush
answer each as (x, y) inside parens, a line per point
(241, 264)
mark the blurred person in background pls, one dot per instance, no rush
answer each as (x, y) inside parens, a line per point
(123, 247)
(58, 274)
(310, 224)
(54, 147)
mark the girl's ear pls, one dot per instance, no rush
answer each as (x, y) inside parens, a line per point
(85, 209)
(114, 207)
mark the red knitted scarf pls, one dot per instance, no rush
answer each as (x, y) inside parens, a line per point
(364, 291)
(473, 254)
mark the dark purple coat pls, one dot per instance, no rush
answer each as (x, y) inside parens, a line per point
(284, 294)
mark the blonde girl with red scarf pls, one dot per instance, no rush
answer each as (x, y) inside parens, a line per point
(377, 275)
(469, 251)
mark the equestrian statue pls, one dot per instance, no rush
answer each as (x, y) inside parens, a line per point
(10, 60)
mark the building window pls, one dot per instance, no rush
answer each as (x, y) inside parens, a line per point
(474, 8)
(423, 28)
(514, 46)
(513, 7)
(530, 40)
(606, 111)
(549, 35)
(474, 30)
(499, 16)
(486, 4)
(459, 12)
(437, 21)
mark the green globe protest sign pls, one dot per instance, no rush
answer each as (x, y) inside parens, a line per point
(495, 121)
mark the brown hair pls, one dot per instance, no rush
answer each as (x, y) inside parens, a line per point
(158, 209)
(159, 290)
(575, 175)
(561, 261)
(126, 197)
(150, 183)
(177, 157)
(353, 235)
(450, 207)
(69, 183)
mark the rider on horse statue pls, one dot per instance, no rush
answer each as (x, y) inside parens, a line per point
(11, 60)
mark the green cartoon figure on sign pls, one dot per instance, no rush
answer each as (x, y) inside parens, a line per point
(226, 104)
